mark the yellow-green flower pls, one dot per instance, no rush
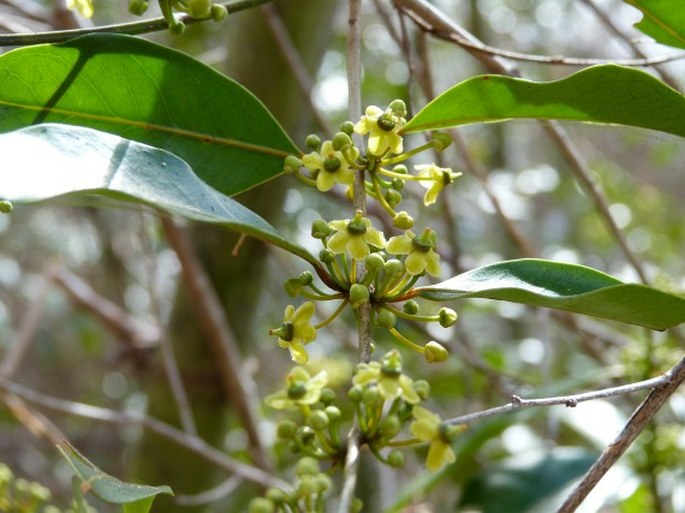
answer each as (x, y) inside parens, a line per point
(83, 7)
(355, 236)
(434, 179)
(301, 390)
(296, 331)
(331, 166)
(382, 127)
(387, 375)
(420, 251)
(429, 428)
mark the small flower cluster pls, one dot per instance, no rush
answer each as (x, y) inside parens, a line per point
(200, 9)
(308, 493)
(335, 161)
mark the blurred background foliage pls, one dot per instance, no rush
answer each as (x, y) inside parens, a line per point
(521, 462)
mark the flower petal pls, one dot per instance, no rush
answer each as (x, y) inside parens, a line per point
(433, 263)
(415, 263)
(338, 242)
(357, 247)
(439, 454)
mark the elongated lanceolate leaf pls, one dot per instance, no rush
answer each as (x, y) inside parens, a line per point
(46, 161)
(135, 498)
(663, 20)
(148, 93)
(569, 287)
(599, 94)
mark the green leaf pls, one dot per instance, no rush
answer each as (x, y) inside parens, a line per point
(518, 486)
(46, 161)
(599, 94)
(663, 20)
(109, 488)
(148, 93)
(569, 287)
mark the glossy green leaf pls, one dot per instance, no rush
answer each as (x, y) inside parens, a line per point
(663, 20)
(600, 94)
(519, 486)
(148, 93)
(109, 488)
(46, 161)
(568, 287)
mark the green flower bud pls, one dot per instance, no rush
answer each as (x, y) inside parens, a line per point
(306, 467)
(447, 317)
(322, 482)
(177, 27)
(403, 220)
(307, 486)
(327, 395)
(357, 505)
(334, 413)
(286, 430)
(434, 352)
(398, 108)
(39, 492)
(318, 420)
(374, 263)
(372, 397)
(219, 12)
(291, 164)
(293, 286)
(410, 307)
(397, 184)
(395, 458)
(261, 505)
(306, 278)
(347, 127)
(313, 142)
(320, 229)
(386, 319)
(305, 435)
(422, 388)
(276, 495)
(341, 140)
(359, 295)
(393, 267)
(401, 169)
(389, 426)
(137, 7)
(200, 8)
(393, 197)
(354, 394)
(441, 140)
(326, 256)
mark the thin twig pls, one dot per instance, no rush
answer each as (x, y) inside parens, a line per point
(131, 28)
(432, 21)
(638, 421)
(238, 385)
(570, 401)
(190, 442)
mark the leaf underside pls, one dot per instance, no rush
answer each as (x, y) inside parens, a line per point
(606, 94)
(567, 287)
(151, 94)
(47, 161)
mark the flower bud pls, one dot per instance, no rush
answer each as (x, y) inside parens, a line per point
(320, 229)
(293, 286)
(374, 263)
(393, 197)
(219, 12)
(357, 505)
(291, 164)
(398, 108)
(177, 27)
(447, 317)
(307, 486)
(347, 127)
(276, 495)
(371, 397)
(327, 395)
(306, 278)
(5, 206)
(359, 294)
(326, 256)
(411, 307)
(261, 505)
(313, 142)
(434, 352)
(397, 184)
(395, 458)
(306, 435)
(440, 140)
(341, 140)
(354, 394)
(422, 388)
(306, 467)
(322, 482)
(286, 429)
(386, 319)
(401, 169)
(137, 7)
(389, 426)
(403, 220)
(393, 267)
(334, 413)
(318, 420)
(200, 8)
